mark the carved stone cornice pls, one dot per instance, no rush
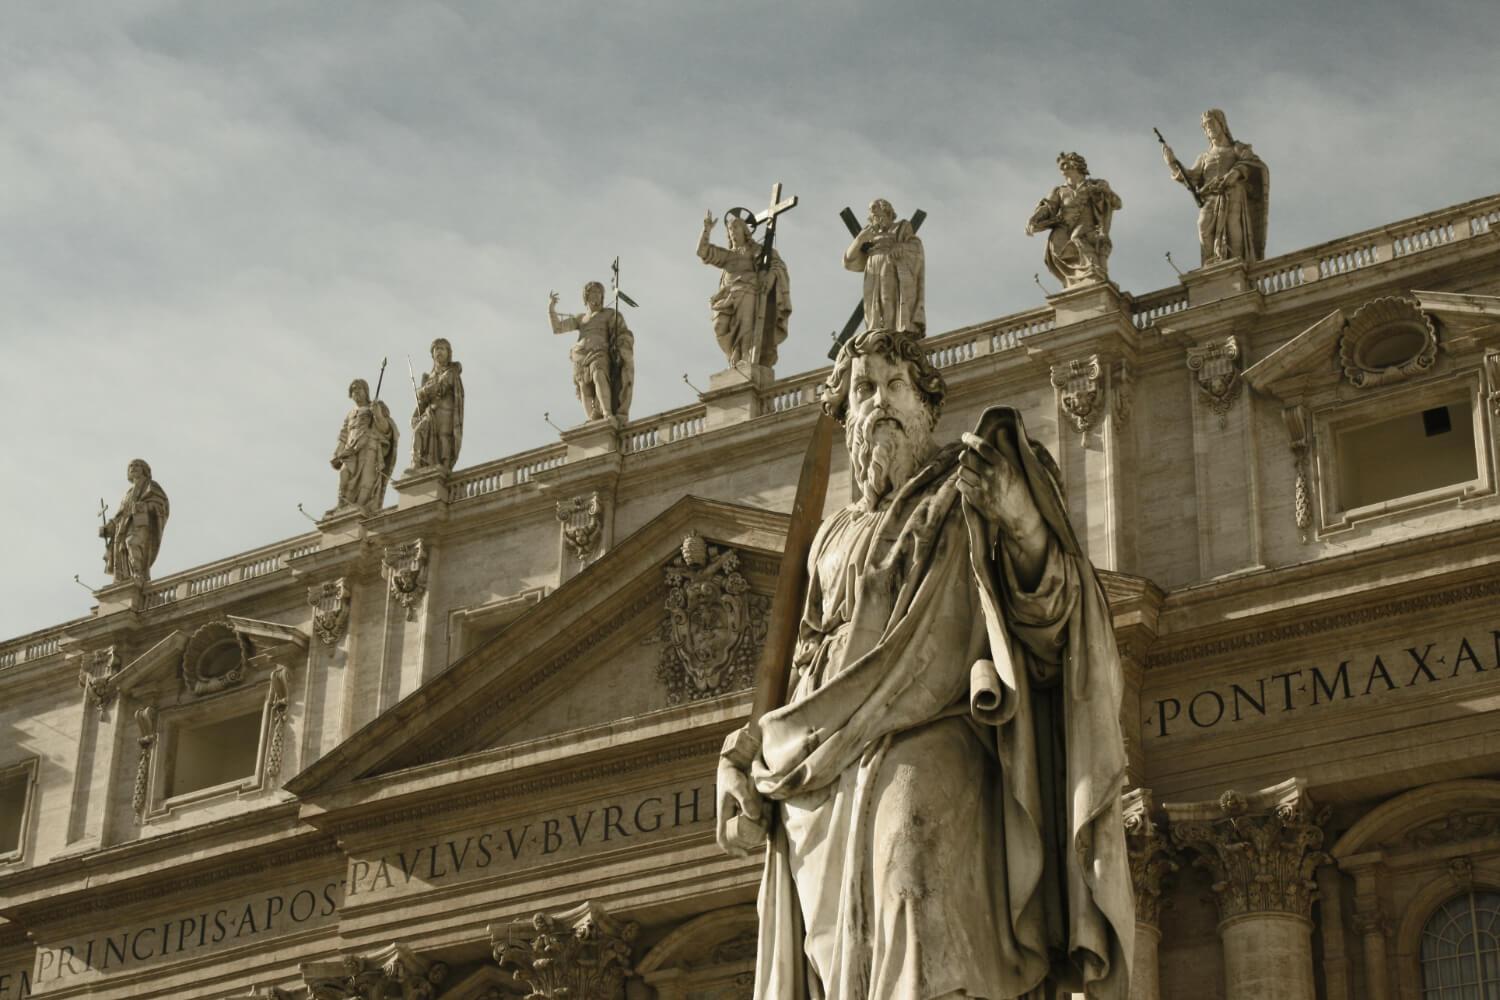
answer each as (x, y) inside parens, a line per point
(579, 954)
(330, 603)
(395, 972)
(1152, 858)
(407, 563)
(1217, 367)
(1261, 848)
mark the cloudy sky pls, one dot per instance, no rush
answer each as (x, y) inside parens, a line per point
(214, 215)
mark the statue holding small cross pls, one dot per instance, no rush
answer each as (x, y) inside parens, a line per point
(754, 300)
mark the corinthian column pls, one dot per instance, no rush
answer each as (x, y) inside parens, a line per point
(1261, 849)
(579, 954)
(1151, 862)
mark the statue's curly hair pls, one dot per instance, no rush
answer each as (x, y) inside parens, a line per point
(894, 346)
(1066, 160)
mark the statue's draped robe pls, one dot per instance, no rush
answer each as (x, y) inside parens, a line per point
(367, 449)
(946, 775)
(745, 299)
(1232, 223)
(437, 423)
(140, 521)
(1078, 245)
(895, 292)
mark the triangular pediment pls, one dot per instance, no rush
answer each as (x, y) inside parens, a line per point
(1310, 354)
(584, 659)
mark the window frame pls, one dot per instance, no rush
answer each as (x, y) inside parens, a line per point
(192, 715)
(1469, 894)
(28, 766)
(1334, 418)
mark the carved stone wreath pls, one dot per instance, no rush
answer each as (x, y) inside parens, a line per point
(1387, 340)
(214, 659)
(714, 626)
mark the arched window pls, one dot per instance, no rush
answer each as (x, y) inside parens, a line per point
(1461, 949)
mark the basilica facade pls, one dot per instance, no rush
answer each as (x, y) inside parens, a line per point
(463, 745)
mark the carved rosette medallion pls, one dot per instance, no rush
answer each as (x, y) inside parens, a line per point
(1080, 391)
(214, 659)
(407, 564)
(1385, 341)
(714, 626)
(96, 677)
(582, 524)
(1261, 848)
(330, 604)
(579, 954)
(392, 973)
(1217, 367)
(1152, 859)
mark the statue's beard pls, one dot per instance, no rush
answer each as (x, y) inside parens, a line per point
(885, 450)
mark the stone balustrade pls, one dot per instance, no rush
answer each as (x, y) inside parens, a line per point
(664, 428)
(216, 576)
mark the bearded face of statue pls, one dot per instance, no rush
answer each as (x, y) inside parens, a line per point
(888, 428)
(135, 472)
(593, 296)
(1214, 129)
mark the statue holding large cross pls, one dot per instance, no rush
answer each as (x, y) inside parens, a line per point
(754, 299)
(890, 254)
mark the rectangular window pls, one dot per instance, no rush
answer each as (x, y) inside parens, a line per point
(214, 753)
(1407, 454)
(15, 785)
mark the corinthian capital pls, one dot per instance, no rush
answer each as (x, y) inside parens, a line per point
(578, 954)
(1152, 859)
(1261, 848)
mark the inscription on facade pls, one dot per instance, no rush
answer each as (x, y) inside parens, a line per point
(553, 838)
(246, 920)
(15, 983)
(1397, 670)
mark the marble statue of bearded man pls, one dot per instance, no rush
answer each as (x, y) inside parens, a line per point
(132, 538)
(1233, 187)
(890, 254)
(752, 306)
(942, 788)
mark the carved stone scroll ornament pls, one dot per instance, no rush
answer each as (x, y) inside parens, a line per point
(1080, 392)
(582, 524)
(714, 626)
(407, 564)
(1299, 433)
(1217, 367)
(330, 604)
(392, 973)
(214, 659)
(1261, 849)
(96, 677)
(1152, 859)
(145, 720)
(579, 954)
(278, 699)
(1387, 340)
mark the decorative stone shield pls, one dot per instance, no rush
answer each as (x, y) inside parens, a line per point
(714, 626)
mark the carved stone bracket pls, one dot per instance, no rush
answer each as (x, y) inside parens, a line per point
(579, 954)
(96, 677)
(407, 563)
(278, 699)
(1217, 367)
(1261, 848)
(1299, 434)
(714, 626)
(1461, 871)
(582, 525)
(330, 604)
(145, 720)
(392, 973)
(1080, 391)
(1152, 859)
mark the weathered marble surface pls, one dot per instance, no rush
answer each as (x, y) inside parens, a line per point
(1076, 215)
(437, 423)
(132, 537)
(604, 356)
(365, 454)
(890, 254)
(753, 304)
(1233, 188)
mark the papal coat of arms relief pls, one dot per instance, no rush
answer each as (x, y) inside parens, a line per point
(714, 626)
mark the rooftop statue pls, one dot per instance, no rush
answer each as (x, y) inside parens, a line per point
(132, 538)
(890, 254)
(754, 300)
(603, 357)
(365, 454)
(942, 786)
(437, 424)
(1233, 189)
(1076, 215)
